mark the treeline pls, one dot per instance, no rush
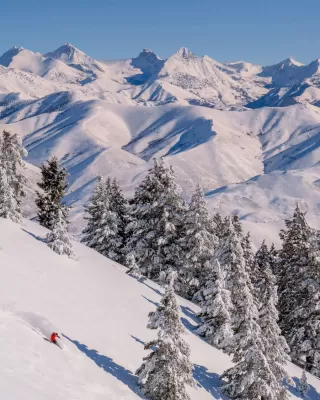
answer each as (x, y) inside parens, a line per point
(258, 307)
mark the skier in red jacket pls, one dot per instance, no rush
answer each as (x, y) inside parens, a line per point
(53, 337)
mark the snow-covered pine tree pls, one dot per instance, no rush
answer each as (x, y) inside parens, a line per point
(251, 377)
(133, 268)
(248, 253)
(275, 346)
(167, 370)
(53, 185)
(303, 386)
(215, 315)
(156, 213)
(217, 225)
(93, 212)
(293, 259)
(305, 333)
(237, 224)
(262, 258)
(12, 178)
(197, 244)
(299, 291)
(119, 205)
(8, 204)
(102, 230)
(12, 154)
(274, 260)
(58, 239)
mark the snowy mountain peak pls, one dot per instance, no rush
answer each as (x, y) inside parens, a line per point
(148, 62)
(291, 62)
(76, 58)
(183, 52)
(67, 52)
(8, 56)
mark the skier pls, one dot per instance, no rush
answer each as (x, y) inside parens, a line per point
(53, 337)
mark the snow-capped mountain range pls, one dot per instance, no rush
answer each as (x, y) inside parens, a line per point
(248, 134)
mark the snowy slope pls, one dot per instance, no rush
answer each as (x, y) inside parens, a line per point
(265, 201)
(206, 146)
(102, 315)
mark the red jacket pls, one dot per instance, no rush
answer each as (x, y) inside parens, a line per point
(53, 336)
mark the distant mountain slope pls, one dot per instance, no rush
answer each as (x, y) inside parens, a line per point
(217, 123)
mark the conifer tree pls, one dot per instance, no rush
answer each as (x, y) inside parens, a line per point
(8, 204)
(197, 244)
(275, 346)
(303, 386)
(251, 377)
(102, 230)
(299, 291)
(217, 225)
(58, 239)
(274, 260)
(156, 221)
(305, 333)
(237, 224)
(12, 180)
(49, 200)
(133, 268)
(215, 315)
(119, 205)
(248, 253)
(167, 370)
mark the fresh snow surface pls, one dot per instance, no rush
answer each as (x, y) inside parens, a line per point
(101, 315)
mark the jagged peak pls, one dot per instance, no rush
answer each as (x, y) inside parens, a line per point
(66, 48)
(184, 52)
(291, 61)
(8, 56)
(147, 53)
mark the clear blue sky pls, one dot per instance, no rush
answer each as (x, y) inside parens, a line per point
(261, 31)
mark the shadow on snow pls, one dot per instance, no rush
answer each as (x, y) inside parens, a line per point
(312, 394)
(110, 366)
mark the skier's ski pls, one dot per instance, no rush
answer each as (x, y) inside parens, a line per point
(48, 340)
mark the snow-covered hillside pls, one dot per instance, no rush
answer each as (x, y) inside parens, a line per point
(212, 121)
(102, 315)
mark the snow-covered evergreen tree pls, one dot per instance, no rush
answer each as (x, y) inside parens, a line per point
(167, 370)
(217, 225)
(53, 188)
(275, 346)
(248, 253)
(303, 386)
(251, 377)
(12, 180)
(58, 239)
(236, 223)
(133, 268)
(274, 262)
(8, 204)
(102, 230)
(299, 291)
(119, 205)
(215, 309)
(305, 333)
(156, 213)
(197, 244)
